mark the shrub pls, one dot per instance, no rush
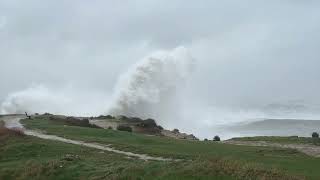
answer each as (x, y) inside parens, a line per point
(122, 118)
(216, 138)
(205, 139)
(72, 121)
(315, 135)
(109, 117)
(105, 117)
(110, 128)
(124, 128)
(176, 131)
(192, 137)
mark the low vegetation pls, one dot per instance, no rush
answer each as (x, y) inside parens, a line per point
(216, 138)
(72, 121)
(25, 157)
(5, 132)
(138, 125)
(315, 135)
(176, 131)
(124, 128)
(195, 154)
(282, 140)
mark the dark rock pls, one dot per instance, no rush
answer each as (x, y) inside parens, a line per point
(135, 119)
(149, 123)
(192, 137)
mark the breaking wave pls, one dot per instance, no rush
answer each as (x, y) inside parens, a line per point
(150, 88)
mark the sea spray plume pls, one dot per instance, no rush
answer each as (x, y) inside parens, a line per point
(149, 88)
(66, 100)
(34, 99)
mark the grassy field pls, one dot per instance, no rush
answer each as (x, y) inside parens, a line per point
(201, 160)
(23, 157)
(282, 140)
(28, 157)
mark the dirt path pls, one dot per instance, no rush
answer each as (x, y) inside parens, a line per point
(14, 122)
(310, 150)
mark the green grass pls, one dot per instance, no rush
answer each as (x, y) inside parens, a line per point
(202, 160)
(287, 160)
(25, 157)
(29, 157)
(282, 140)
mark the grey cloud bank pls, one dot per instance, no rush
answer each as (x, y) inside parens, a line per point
(253, 58)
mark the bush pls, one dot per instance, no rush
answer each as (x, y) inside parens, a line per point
(109, 117)
(315, 135)
(124, 128)
(72, 121)
(110, 128)
(176, 131)
(105, 117)
(216, 138)
(122, 118)
(205, 139)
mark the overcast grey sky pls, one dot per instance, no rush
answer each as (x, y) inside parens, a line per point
(248, 52)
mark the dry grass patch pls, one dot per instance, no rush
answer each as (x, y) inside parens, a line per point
(5, 132)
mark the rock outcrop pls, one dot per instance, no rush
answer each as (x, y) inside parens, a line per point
(138, 125)
(177, 135)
